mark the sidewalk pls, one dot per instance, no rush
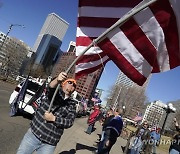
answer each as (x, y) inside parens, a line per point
(75, 140)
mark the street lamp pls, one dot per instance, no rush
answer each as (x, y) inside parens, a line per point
(10, 28)
(169, 109)
(124, 108)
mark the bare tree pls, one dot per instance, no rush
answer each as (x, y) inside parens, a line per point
(14, 53)
(11, 61)
(38, 71)
(130, 97)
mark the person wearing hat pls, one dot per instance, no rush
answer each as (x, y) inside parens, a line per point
(48, 127)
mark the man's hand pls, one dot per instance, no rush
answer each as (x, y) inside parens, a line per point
(62, 76)
(48, 116)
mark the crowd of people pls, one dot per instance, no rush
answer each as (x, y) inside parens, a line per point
(50, 120)
(144, 140)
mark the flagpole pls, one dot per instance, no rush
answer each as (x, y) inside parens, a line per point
(132, 12)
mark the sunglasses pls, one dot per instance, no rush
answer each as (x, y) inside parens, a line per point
(70, 82)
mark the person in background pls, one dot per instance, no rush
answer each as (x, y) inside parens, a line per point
(175, 144)
(107, 119)
(142, 133)
(48, 127)
(92, 119)
(112, 131)
(155, 137)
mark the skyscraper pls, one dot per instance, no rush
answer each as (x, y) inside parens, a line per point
(49, 40)
(123, 79)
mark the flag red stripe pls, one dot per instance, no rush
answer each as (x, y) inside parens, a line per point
(84, 41)
(156, 68)
(109, 3)
(137, 37)
(89, 70)
(121, 62)
(90, 58)
(167, 20)
(96, 22)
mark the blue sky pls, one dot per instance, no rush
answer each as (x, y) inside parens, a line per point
(32, 14)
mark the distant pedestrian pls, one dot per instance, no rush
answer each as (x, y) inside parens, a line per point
(155, 138)
(175, 145)
(106, 121)
(47, 127)
(112, 132)
(141, 134)
(92, 119)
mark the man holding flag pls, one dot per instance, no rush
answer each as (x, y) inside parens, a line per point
(47, 127)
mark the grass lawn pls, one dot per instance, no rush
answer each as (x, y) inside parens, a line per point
(165, 143)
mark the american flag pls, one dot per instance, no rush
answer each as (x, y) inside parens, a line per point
(138, 117)
(95, 16)
(148, 42)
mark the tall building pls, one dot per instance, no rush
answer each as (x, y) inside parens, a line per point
(86, 85)
(123, 79)
(63, 64)
(49, 40)
(154, 113)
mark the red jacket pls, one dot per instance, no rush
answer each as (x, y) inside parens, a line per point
(93, 116)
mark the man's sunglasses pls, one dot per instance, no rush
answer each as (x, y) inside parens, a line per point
(70, 82)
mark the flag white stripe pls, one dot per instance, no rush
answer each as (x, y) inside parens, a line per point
(83, 66)
(106, 12)
(127, 49)
(91, 51)
(151, 29)
(90, 31)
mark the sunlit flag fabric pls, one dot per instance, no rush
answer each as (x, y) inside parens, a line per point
(95, 16)
(146, 43)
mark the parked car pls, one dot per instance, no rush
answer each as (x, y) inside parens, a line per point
(32, 86)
